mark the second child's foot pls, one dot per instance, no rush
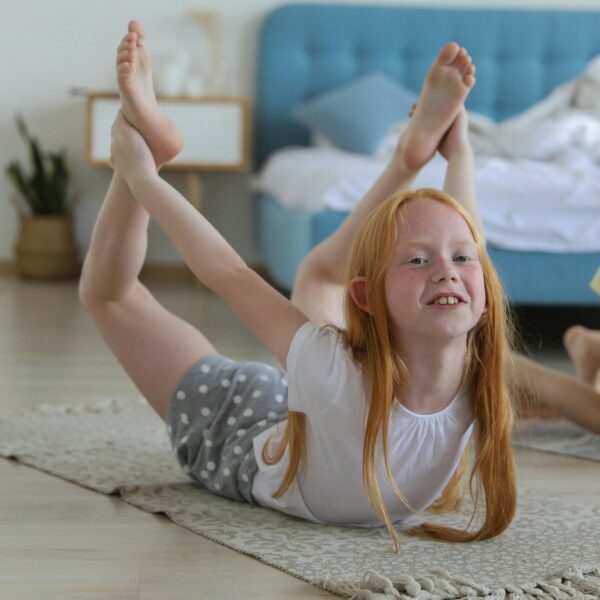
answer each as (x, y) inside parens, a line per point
(446, 87)
(138, 101)
(583, 346)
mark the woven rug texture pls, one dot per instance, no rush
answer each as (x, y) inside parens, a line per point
(557, 436)
(551, 550)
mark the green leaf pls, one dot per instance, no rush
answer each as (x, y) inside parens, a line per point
(22, 127)
(59, 182)
(38, 178)
(18, 179)
(45, 190)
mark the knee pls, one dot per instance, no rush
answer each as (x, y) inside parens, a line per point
(85, 294)
(93, 297)
(88, 292)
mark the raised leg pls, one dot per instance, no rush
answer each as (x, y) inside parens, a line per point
(154, 346)
(318, 289)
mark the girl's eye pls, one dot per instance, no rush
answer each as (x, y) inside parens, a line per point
(466, 258)
(411, 261)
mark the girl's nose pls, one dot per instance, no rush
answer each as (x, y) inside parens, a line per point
(448, 276)
(445, 272)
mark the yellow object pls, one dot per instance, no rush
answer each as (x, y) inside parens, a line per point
(595, 283)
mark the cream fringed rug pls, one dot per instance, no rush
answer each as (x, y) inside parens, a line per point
(558, 437)
(551, 550)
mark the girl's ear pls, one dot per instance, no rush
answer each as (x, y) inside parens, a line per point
(358, 291)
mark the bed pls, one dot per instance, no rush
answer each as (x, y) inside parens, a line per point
(521, 56)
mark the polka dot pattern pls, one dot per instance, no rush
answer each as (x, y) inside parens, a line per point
(218, 408)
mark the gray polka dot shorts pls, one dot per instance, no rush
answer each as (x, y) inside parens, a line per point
(219, 406)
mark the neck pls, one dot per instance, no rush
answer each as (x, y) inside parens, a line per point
(435, 372)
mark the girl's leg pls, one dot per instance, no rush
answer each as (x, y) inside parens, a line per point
(154, 346)
(573, 399)
(318, 289)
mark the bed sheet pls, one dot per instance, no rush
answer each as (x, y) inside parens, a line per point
(524, 204)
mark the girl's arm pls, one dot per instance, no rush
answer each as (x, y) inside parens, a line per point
(271, 316)
(460, 172)
(267, 313)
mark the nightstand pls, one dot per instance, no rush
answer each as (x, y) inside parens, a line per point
(216, 133)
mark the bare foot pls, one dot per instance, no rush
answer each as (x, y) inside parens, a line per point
(583, 346)
(138, 101)
(447, 84)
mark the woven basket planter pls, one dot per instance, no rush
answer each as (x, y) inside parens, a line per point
(46, 248)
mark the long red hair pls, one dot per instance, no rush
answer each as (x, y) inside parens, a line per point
(488, 352)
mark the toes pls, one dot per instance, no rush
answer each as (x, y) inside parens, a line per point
(123, 69)
(448, 53)
(463, 61)
(125, 46)
(135, 27)
(469, 76)
(127, 39)
(123, 55)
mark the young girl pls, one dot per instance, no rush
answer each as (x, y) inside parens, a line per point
(374, 423)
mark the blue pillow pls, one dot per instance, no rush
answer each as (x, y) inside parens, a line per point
(356, 116)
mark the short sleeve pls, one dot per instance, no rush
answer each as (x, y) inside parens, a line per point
(312, 367)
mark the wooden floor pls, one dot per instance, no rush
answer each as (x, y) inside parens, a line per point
(60, 541)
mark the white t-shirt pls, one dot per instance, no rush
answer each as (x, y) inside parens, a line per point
(328, 386)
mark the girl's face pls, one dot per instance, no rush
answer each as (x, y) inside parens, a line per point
(435, 255)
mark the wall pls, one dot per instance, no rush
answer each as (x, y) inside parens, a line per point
(48, 48)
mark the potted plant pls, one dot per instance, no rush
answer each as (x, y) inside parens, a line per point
(45, 245)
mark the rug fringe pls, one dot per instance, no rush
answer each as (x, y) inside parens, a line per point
(573, 583)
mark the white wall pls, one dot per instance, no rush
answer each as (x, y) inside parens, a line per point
(48, 47)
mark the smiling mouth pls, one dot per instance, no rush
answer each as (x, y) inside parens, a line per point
(454, 302)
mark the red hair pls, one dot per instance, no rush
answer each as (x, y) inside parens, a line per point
(488, 349)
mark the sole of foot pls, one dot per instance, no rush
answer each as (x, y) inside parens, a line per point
(583, 347)
(447, 84)
(138, 100)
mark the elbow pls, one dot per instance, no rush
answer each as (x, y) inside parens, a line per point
(230, 279)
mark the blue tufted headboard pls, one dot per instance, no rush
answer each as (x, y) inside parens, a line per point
(305, 49)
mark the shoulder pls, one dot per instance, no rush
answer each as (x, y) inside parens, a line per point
(319, 368)
(320, 351)
(316, 342)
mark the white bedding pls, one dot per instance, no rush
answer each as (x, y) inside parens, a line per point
(524, 204)
(537, 174)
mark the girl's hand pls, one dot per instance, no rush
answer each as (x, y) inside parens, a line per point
(130, 156)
